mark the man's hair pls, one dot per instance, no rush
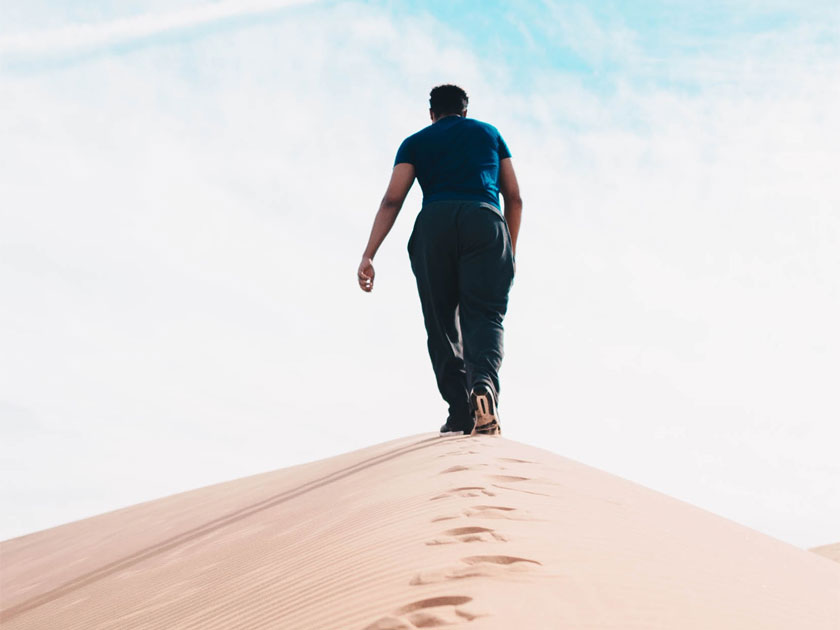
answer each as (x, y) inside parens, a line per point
(448, 99)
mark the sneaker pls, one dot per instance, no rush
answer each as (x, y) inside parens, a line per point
(447, 429)
(450, 427)
(483, 404)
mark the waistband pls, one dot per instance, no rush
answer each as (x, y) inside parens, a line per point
(457, 203)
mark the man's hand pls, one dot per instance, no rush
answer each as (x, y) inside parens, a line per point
(401, 179)
(366, 274)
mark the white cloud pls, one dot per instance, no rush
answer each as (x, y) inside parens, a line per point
(181, 226)
(71, 38)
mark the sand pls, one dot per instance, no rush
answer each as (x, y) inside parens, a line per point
(832, 552)
(423, 532)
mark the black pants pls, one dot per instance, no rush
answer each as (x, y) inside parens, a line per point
(462, 258)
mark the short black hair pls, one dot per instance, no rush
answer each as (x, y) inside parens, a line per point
(448, 99)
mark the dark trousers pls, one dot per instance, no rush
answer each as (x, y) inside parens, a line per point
(462, 258)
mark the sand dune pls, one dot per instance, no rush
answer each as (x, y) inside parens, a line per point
(832, 552)
(423, 532)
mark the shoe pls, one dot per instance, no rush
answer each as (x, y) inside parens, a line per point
(446, 429)
(483, 405)
(450, 427)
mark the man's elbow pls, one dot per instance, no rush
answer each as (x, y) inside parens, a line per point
(391, 204)
(512, 200)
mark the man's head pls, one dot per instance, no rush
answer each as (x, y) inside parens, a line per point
(446, 100)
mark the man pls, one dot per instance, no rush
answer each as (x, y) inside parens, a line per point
(462, 252)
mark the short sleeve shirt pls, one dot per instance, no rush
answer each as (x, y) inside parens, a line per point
(456, 158)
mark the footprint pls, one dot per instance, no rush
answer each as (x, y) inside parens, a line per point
(506, 560)
(515, 479)
(427, 613)
(513, 460)
(465, 491)
(509, 478)
(435, 602)
(539, 494)
(498, 511)
(467, 535)
(460, 468)
(478, 567)
(390, 623)
(460, 531)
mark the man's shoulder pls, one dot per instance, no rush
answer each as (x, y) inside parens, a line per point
(433, 133)
(486, 126)
(476, 121)
(425, 131)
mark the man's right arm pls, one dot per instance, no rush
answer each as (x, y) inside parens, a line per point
(402, 177)
(509, 188)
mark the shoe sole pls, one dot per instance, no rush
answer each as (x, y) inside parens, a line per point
(448, 433)
(486, 420)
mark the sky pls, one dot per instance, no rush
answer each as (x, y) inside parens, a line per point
(186, 188)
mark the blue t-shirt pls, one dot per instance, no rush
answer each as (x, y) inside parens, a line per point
(456, 158)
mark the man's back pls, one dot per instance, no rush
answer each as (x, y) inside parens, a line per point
(456, 158)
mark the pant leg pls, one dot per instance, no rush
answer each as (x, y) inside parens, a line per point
(485, 273)
(433, 249)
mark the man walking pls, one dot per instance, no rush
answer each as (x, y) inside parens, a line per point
(462, 252)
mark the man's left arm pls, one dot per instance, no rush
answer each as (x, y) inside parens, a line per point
(402, 178)
(509, 187)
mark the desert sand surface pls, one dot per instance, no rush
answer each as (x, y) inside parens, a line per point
(422, 532)
(832, 552)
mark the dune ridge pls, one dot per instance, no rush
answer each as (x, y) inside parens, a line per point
(832, 552)
(421, 532)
